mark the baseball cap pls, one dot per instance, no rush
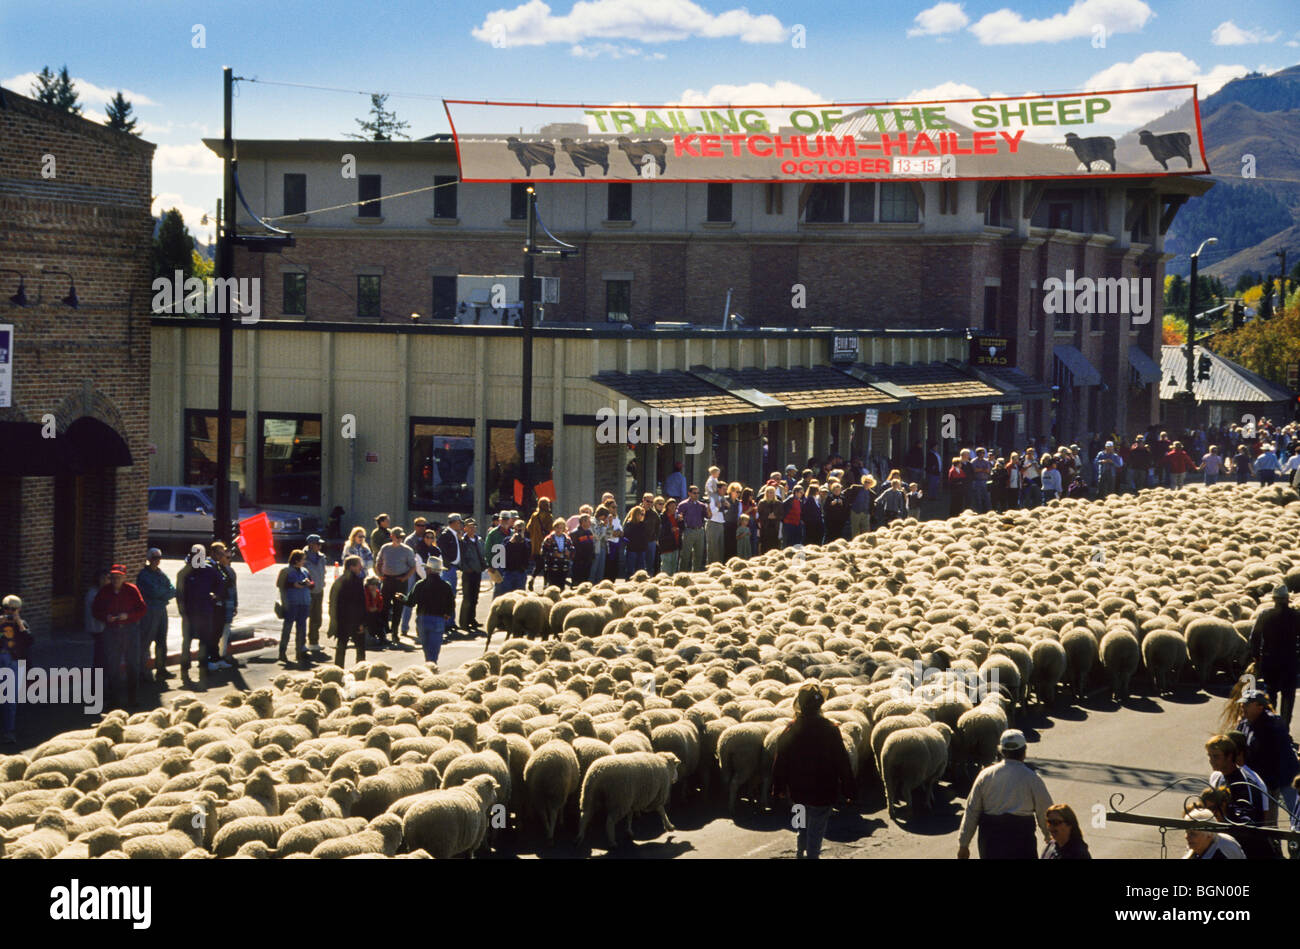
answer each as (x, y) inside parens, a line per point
(791, 468)
(454, 517)
(13, 602)
(471, 521)
(118, 569)
(153, 553)
(1013, 739)
(316, 539)
(505, 515)
(1253, 695)
(1110, 444)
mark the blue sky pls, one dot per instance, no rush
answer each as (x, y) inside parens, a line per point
(660, 51)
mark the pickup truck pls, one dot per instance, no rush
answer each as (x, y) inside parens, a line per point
(180, 515)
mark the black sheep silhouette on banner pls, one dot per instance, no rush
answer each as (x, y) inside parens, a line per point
(636, 152)
(589, 153)
(1089, 150)
(1167, 146)
(532, 153)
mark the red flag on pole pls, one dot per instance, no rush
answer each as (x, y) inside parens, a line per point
(255, 542)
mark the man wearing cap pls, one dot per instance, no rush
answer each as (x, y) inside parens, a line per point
(315, 564)
(1108, 466)
(1269, 753)
(1274, 643)
(157, 590)
(395, 564)
(981, 469)
(472, 564)
(434, 604)
(120, 607)
(1004, 803)
(675, 483)
(791, 478)
(449, 550)
(494, 549)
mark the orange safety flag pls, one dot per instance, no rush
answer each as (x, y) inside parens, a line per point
(256, 545)
(519, 493)
(546, 490)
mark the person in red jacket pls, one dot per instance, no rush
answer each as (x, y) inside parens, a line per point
(1178, 463)
(120, 607)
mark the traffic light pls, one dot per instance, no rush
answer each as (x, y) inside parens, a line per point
(1203, 368)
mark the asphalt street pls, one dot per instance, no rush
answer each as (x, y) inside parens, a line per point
(1150, 752)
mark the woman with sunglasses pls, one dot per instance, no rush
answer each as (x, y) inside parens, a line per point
(1067, 840)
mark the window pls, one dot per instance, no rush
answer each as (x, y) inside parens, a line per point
(200, 460)
(825, 203)
(368, 190)
(519, 201)
(993, 212)
(719, 202)
(295, 194)
(1035, 302)
(503, 465)
(618, 300)
(1062, 320)
(442, 465)
(191, 502)
(862, 202)
(619, 201)
(289, 460)
(368, 297)
(898, 203)
(1060, 216)
(991, 310)
(444, 298)
(773, 193)
(160, 499)
(444, 195)
(295, 294)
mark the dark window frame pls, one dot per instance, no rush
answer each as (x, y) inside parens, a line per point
(824, 199)
(853, 195)
(295, 200)
(447, 313)
(538, 474)
(518, 201)
(446, 196)
(719, 201)
(185, 445)
(294, 275)
(618, 201)
(414, 503)
(379, 297)
(608, 286)
(364, 193)
(261, 497)
(903, 188)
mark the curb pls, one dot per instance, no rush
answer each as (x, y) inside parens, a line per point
(242, 645)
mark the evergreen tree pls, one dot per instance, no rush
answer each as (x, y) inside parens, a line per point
(57, 91)
(173, 247)
(1266, 301)
(384, 126)
(119, 114)
(43, 89)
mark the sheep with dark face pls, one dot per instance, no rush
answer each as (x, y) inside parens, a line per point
(636, 153)
(1166, 146)
(1093, 149)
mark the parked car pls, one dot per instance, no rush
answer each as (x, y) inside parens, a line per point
(181, 515)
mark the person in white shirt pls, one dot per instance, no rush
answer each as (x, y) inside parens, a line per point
(1207, 844)
(1005, 802)
(1266, 465)
(1052, 486)
(715, 531)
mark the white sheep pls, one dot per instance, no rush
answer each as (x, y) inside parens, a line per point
(552, 775)
(378, 792)
(913, 759)
(1164, 653)
(621, 786)
(450, 822)
(1119, 655)
(383, 836)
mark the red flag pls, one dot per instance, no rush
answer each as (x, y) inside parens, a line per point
(256, 545)
(546, 490)
(519, 493)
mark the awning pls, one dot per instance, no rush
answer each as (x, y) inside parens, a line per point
(1145, 369)
(1018, 384)
(1076, 363)
(931, 384)
(87, 445)
(804, 392)
(674, 392)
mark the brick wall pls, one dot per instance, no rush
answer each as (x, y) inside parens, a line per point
(91, 218)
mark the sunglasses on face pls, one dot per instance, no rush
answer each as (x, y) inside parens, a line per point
(1054, 822)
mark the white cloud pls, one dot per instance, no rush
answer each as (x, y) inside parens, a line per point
(612, 50)
(1080, 20)
(533, 23)
(940, 18)
(752, 93)
(196, 159)
(92, 97)
(192, 214)
(945, 90)
(1162, 69)
(1228, 33)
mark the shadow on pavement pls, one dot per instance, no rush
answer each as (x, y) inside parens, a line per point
(1093, 773)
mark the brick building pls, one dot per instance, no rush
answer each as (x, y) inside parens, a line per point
(885, 255)
(75, 198)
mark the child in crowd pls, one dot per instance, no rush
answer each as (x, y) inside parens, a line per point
(374, 608)
(744, 539)
(914, 498)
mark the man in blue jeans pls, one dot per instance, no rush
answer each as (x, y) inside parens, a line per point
(157, 589)
(812, 768)
(449, 551)
(433, 602)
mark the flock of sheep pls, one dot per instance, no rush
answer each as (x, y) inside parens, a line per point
(929, 638)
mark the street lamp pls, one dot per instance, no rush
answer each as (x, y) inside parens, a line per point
(1191, 322)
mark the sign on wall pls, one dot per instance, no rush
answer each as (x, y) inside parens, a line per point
(1115, 133)
(844, 349)
(6, 365)
(993, 351)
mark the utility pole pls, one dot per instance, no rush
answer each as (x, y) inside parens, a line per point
(225, 326)
(1191, 329)
(1281, 254)
(526, 325)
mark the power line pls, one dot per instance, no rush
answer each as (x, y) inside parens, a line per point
(355, 204)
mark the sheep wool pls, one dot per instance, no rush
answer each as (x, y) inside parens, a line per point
(622, 786)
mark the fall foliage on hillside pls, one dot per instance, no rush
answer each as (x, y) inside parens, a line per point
(1265, 347)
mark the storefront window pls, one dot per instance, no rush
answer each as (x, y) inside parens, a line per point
(503, 467)
(200, 462)
(442, 466)
(289, 455)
